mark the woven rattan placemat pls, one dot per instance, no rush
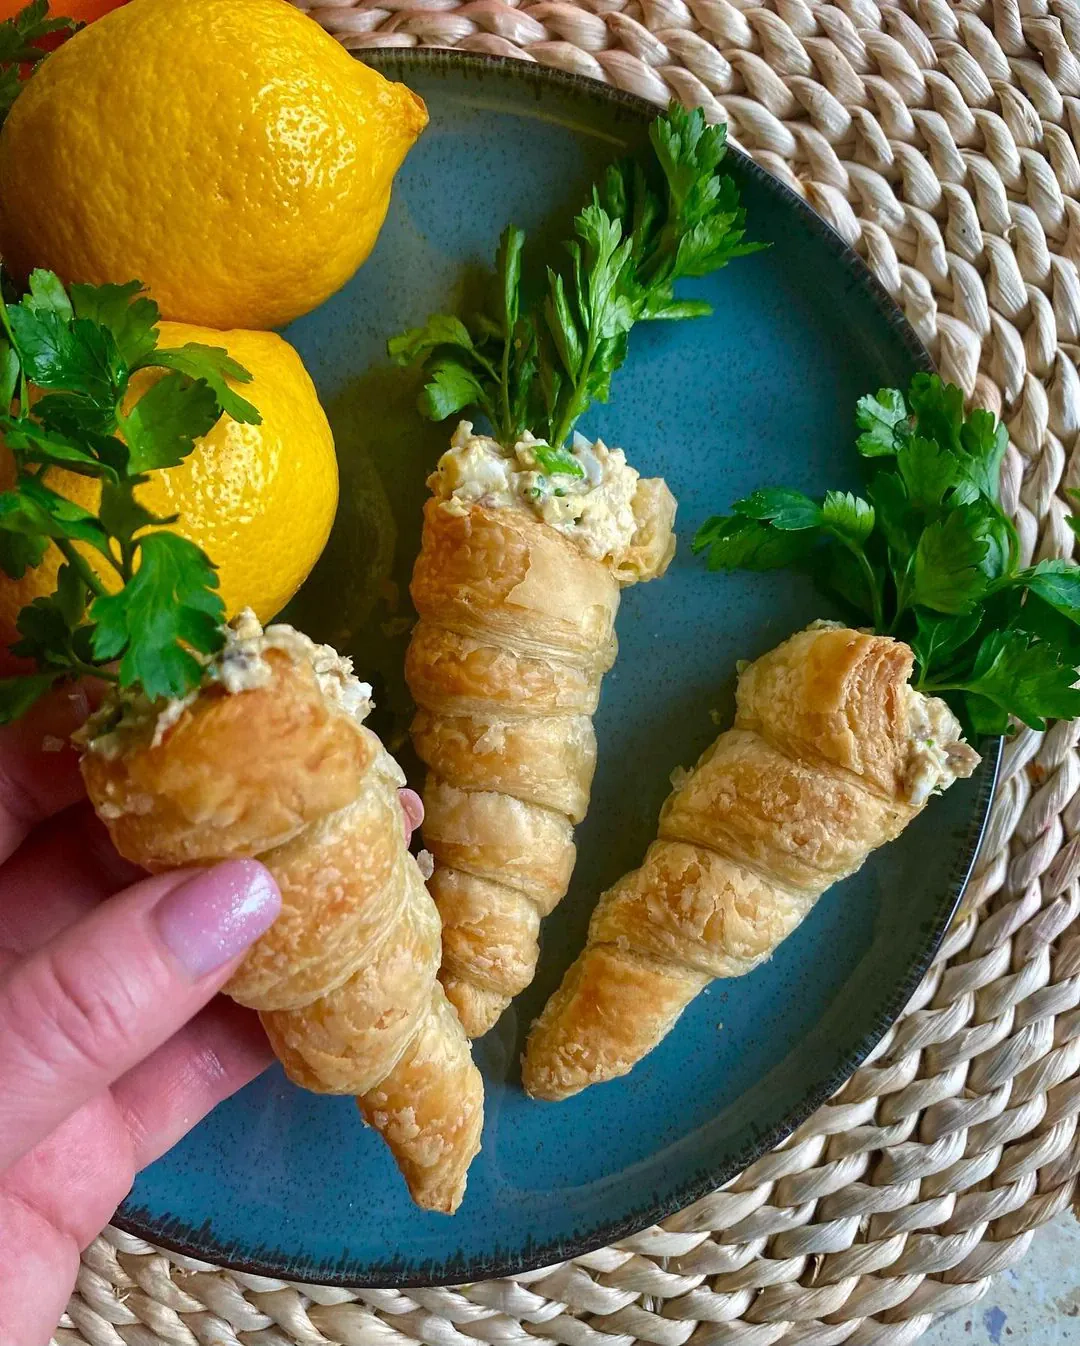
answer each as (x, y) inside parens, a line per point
(940, 141)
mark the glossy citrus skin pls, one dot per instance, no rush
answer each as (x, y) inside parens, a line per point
(258, 499)
(228, 153)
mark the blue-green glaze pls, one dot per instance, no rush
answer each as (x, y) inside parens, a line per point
(763, 392)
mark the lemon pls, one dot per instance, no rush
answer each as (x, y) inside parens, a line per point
(258, 499)
(229, 154)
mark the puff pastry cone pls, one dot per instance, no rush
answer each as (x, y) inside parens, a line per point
(515, 633)
(831, 756)
(269, 758)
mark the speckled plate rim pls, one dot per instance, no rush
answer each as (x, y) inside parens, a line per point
(200, 1244)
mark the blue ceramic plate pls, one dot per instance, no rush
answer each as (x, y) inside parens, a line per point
(764, 391)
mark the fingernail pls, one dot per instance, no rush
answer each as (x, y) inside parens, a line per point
(413, 808)
(217, 914)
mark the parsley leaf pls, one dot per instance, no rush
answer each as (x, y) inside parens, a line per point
(450, 388)
(159, 612)
(415, 345)
(61, 353)
(34, 442)
(932, 558)
(847, 516)
(36, 511)
(17, 695)
(927, 471)
(130, 315)
(169, 607)
(160, 429)
(214, 366)
(539, 362)
(18, 36)
(47, 295)
(937, 637)
(947, 559)
(785, 509)
(1024, 677)
(983, 441)
(883, 420)
(557, 462)
(20, 552)
(1057, 583)
(739, 543)
(9, 373)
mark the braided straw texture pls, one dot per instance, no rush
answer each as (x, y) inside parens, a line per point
(940, 141)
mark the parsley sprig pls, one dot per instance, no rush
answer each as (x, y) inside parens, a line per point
(72, 378)
(929, 557)
(546, 348)
(19, 36)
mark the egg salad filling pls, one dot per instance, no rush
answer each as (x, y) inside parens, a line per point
(239, 666)
(937, 753)
(585, 491)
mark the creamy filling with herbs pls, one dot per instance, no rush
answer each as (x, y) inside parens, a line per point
(585, 491)
(239, 666)
(938, 754)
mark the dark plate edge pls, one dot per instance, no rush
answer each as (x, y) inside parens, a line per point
(200, 1245)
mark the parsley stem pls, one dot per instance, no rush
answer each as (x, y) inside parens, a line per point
(92, 670)
(24, 386)
(80, 565)
(871, 583)
(504, 389)
(127, 558)
(903, 593)
(579, 399)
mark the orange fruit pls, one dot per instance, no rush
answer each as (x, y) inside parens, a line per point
(82, 11)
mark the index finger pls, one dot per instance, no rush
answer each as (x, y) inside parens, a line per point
(39, 767)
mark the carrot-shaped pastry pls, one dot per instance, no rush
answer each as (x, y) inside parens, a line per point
(216, 742)
(833, 753)
(517, 591)
(841, 736)
(268, 757)
(529, 536)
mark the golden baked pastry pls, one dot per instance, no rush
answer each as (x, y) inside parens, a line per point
(269, 758)
(831, 756)
(517, 586)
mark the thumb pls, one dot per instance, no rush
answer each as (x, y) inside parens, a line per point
(90, 1004)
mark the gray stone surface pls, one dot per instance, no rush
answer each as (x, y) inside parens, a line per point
(1035, 1304)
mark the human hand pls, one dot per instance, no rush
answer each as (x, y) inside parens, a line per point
(112, 1042)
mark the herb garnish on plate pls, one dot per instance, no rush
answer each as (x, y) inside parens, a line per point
(539, 365)
(930, 557)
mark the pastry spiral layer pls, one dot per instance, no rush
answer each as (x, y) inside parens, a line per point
(831, 756)
(269, 759)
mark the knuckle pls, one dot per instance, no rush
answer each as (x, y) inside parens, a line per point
(76, 1008)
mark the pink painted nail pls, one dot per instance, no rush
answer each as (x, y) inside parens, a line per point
(413, 809)
(217, 914)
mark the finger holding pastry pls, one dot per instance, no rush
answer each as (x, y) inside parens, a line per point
(230, 744)
(269, 757)
(110, 1052)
